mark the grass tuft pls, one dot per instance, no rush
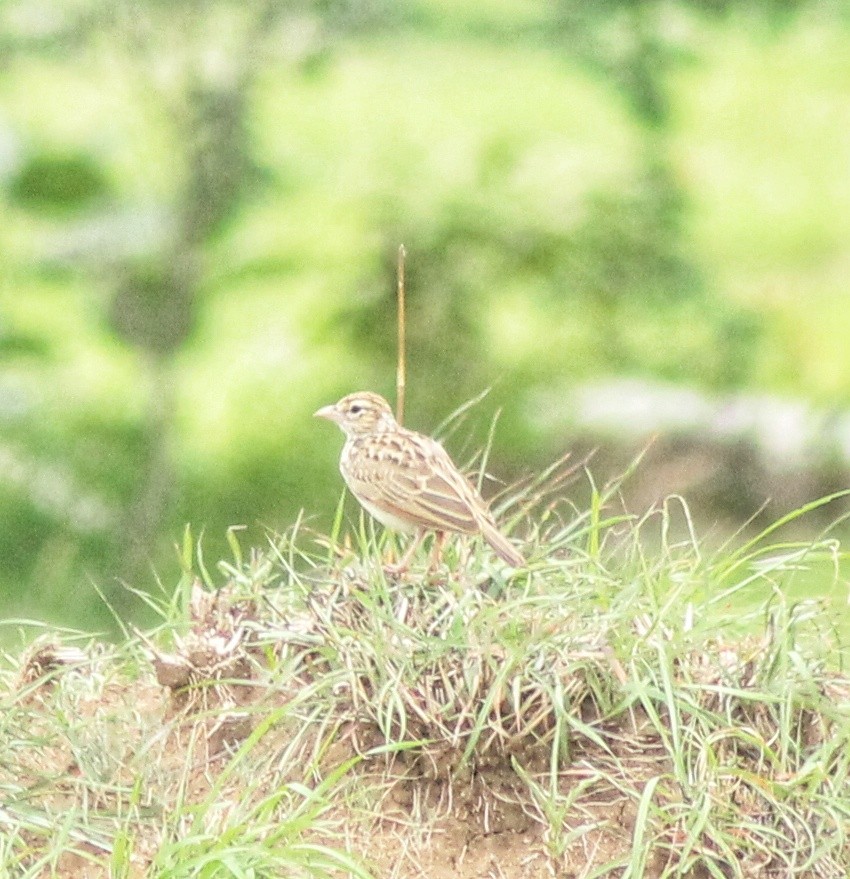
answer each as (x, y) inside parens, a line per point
(628, 705)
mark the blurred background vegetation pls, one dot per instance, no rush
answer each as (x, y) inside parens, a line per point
(628, 217)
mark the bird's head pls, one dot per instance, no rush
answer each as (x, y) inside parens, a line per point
(360, 414)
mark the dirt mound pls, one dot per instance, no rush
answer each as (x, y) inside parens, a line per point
(423, 730)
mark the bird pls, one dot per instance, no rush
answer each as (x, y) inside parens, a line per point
(407, 481)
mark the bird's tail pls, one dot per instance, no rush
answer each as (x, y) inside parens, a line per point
(501, 545)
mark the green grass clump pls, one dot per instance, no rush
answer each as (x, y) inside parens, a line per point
(606, 711)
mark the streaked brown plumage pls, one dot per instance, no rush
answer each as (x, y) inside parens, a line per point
(406, 480)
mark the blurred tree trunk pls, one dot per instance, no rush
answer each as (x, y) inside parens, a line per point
(156, 301)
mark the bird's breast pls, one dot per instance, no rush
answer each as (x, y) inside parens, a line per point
(388, 520)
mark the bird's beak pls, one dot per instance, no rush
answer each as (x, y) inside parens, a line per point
(329, 412)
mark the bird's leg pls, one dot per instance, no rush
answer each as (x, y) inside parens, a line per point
(404, 562)
(436, 551)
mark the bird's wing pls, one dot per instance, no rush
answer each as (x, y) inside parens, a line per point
(415, 480)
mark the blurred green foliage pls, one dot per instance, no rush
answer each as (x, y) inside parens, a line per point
(53, 182)
(202, 206)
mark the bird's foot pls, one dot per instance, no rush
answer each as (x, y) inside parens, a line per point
(397, 570)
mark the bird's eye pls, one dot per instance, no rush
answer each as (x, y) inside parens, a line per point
(355, 409)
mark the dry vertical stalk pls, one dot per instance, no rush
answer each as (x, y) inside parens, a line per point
(401, 366)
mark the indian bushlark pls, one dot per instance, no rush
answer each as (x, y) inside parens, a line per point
(406, 480)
